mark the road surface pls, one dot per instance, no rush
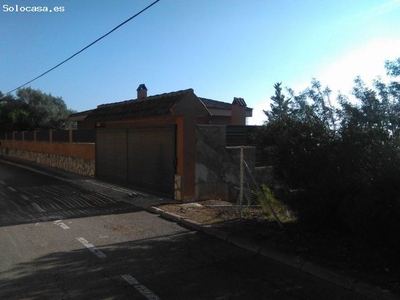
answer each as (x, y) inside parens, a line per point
(59, 241)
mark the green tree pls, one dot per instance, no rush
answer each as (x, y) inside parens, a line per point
(393, 67)
(31, 109)
(279, 105)
(344, 162)
(12, 114)
(296, 134)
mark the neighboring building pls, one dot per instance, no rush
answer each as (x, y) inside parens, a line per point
(79, 117)
(150, 142)
(217, 112)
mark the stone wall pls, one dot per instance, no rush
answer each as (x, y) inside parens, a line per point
(76, 165)
(217, 167)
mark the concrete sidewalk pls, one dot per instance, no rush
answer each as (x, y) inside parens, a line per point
(150, 203)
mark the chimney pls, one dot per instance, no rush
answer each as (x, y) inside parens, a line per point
(141, 91)
(238, 111)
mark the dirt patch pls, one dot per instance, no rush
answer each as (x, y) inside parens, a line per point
(378, 265)
(213, 211)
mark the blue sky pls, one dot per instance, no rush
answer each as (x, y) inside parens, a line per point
(220, 48)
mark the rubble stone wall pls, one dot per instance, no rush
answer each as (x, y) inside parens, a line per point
(82, 166)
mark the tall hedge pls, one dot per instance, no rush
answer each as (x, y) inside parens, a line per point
(340, 164)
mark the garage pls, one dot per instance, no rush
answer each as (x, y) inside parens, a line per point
(143, 158)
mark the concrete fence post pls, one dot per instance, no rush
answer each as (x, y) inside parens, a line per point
(241, 180)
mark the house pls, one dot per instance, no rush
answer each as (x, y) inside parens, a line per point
(79, 117)
(150, 142)
(217, 112)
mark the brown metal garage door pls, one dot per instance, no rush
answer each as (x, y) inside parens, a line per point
(151, 159)
(143, 158)
(111, 158)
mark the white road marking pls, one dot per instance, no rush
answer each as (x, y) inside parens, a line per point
(4, 194)
(37, 207)
(92, 248)
(140, 287)
(2, 182)
(11, 189)
(61, 224)
(25, 197)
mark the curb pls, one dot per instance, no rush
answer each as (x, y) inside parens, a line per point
(191, 224)
(172, 217)
(295, 262)
(175, 218)
(292, 261)
(245, 244)
(222, 235)
(328, 275)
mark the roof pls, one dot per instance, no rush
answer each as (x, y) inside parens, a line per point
(215, 104)
(79, 116)
(151, 106)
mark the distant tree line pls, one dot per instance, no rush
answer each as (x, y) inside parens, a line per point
(338, 166)
(32, 109)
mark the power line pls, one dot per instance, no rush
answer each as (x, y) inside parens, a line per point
(83, 49)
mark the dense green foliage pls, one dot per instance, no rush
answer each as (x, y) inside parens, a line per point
(340, 165)
(32, 109)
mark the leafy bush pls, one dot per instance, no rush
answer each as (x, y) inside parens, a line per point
(270, 205)
(344, 162)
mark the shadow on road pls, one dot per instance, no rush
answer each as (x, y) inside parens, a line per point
(28, 197)
(183, 266)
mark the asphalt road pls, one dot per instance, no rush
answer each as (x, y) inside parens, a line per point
(59, 241)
